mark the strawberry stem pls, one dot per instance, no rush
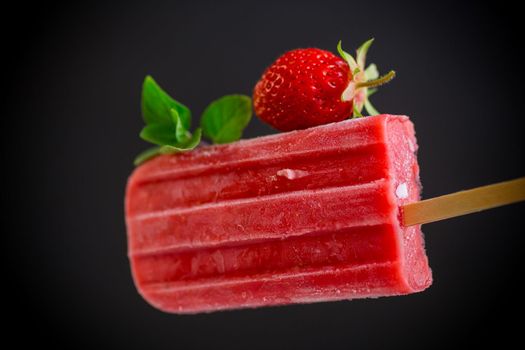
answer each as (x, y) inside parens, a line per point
(377, 82)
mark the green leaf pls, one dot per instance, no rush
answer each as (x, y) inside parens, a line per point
(191, 144)
(167, 123)
(156, 105)
(173, 134)
(167, 149)
(370, 109)
(181, 134)
(146, 155)
(159, 134)
(224, 119)
(347, 57)
(371, 72)
(362, 51)
(194, 140)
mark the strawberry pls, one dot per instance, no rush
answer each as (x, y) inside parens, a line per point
(309, 87)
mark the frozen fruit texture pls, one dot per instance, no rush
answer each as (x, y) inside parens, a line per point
(306, 216)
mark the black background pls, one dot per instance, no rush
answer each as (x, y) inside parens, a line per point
(70, 130)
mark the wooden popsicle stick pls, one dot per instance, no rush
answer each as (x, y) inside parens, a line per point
(464, 202)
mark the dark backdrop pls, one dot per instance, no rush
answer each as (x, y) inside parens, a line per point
(74, 74)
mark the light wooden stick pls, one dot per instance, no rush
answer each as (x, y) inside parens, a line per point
(464, 202)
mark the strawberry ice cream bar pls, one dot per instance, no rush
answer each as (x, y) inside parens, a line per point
(299, 217)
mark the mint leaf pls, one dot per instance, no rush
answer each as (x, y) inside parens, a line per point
(172, 133)
(159, 134)
(193, 141)
(156, 105)
(146, 155)
(189, 145)
(167, 123)
(224, 119)
(181, 134)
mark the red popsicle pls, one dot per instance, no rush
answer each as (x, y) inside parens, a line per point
(299, 217)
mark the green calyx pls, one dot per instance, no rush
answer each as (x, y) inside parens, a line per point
(364, 81)
(168, 121)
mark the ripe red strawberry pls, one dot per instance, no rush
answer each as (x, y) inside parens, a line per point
(309, 87)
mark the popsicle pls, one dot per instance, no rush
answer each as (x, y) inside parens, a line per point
(299, 217)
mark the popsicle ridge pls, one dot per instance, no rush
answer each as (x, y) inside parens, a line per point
(338, 249)
(319, 170)
(261, 150)
(325, 284)
(263, 218)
